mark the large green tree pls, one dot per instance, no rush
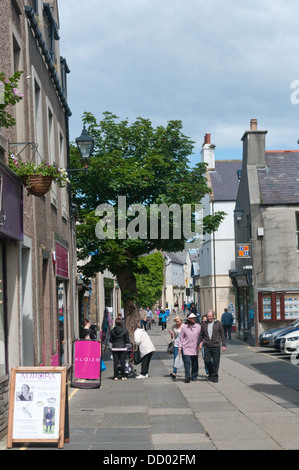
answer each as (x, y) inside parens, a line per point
(145, 165)
(150, 284)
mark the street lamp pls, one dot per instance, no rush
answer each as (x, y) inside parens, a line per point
(238, 212)
(85, 144)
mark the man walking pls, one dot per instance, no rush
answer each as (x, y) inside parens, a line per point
(149, 318)
(227, 320)
(212, 335)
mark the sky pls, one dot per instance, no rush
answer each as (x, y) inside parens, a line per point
(214, 65)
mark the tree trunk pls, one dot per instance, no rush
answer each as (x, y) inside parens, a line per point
(128, 287)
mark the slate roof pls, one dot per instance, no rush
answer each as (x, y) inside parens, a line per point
(279, 180)
(224, 179)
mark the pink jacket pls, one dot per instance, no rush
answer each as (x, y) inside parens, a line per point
(188, 342)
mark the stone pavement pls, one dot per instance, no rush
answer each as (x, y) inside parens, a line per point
(254, 406)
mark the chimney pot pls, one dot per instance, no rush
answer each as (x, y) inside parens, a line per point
(207, 138)
(253, 124)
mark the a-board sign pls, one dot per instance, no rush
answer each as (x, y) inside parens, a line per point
(37, 405)
(87, 363)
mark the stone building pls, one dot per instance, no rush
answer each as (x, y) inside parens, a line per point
(266, 275)
(38, 304)
(217, 254)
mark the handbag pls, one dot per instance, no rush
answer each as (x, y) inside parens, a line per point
(170, 348)
(137, 357)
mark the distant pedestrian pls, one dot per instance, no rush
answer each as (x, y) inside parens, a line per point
(227, 320)
(119, 338)
(142, 317)
(212, 335)
(188, 346)
(87, 331)
(149, 317)
(146, 348)
(175, 335)
(163, 319)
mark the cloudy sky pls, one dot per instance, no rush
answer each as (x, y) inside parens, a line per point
(213, 64)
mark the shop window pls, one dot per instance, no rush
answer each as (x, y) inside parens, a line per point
(291, 303)
(278, 306)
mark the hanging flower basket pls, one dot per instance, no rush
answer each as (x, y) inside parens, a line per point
(37, 185)
(38, 178)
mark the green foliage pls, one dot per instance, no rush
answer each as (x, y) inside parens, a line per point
(21, 168)
(150, 284)
(9, 95)
(148, 166)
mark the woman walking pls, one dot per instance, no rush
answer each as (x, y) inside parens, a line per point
(175, 335)
(119, 338)
(188, 345)
(146, 348)
(163, 319)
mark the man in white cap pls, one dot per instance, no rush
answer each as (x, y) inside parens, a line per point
(188, 346)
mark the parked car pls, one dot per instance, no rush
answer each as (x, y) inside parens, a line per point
(267, 338)
(280, 338)
(290, 342)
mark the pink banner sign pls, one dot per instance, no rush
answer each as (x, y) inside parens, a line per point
(87, 356)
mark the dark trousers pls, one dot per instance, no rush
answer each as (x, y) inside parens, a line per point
(119, 357)
(145, 362)
(191, 366)
(227, 331)
(163, 323)
(212, 360)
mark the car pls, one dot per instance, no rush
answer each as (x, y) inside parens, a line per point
(290, 342)
(280, 338)
(266, 339)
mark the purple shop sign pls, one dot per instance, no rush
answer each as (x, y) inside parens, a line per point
(11, 205)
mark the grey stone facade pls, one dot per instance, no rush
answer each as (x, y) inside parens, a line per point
(40, 313)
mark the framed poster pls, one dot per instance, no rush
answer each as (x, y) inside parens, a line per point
(37, 404)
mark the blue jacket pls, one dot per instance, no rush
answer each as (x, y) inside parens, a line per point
(227, 319)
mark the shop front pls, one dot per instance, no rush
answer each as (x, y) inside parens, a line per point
(245, 312)
(62, 308)
(11, 234)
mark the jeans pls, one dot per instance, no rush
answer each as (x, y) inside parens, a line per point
(191, 366)
(203, 356)
(175, 353)
(212, 360)
(227, 331)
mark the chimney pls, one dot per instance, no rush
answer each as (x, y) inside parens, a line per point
(253, 125)
(207, 139)
(208, 152)
(254, 145)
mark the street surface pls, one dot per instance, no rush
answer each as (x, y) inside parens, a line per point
(254, 406)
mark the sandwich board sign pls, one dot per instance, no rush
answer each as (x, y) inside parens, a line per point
(87, 364)
(37, 405)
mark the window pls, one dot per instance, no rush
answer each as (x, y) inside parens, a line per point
(38, 115)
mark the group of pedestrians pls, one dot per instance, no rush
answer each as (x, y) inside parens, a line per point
(209, 337)
(189, 338)
(120, 340)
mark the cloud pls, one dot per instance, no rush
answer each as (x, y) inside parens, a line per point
(214, 65)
